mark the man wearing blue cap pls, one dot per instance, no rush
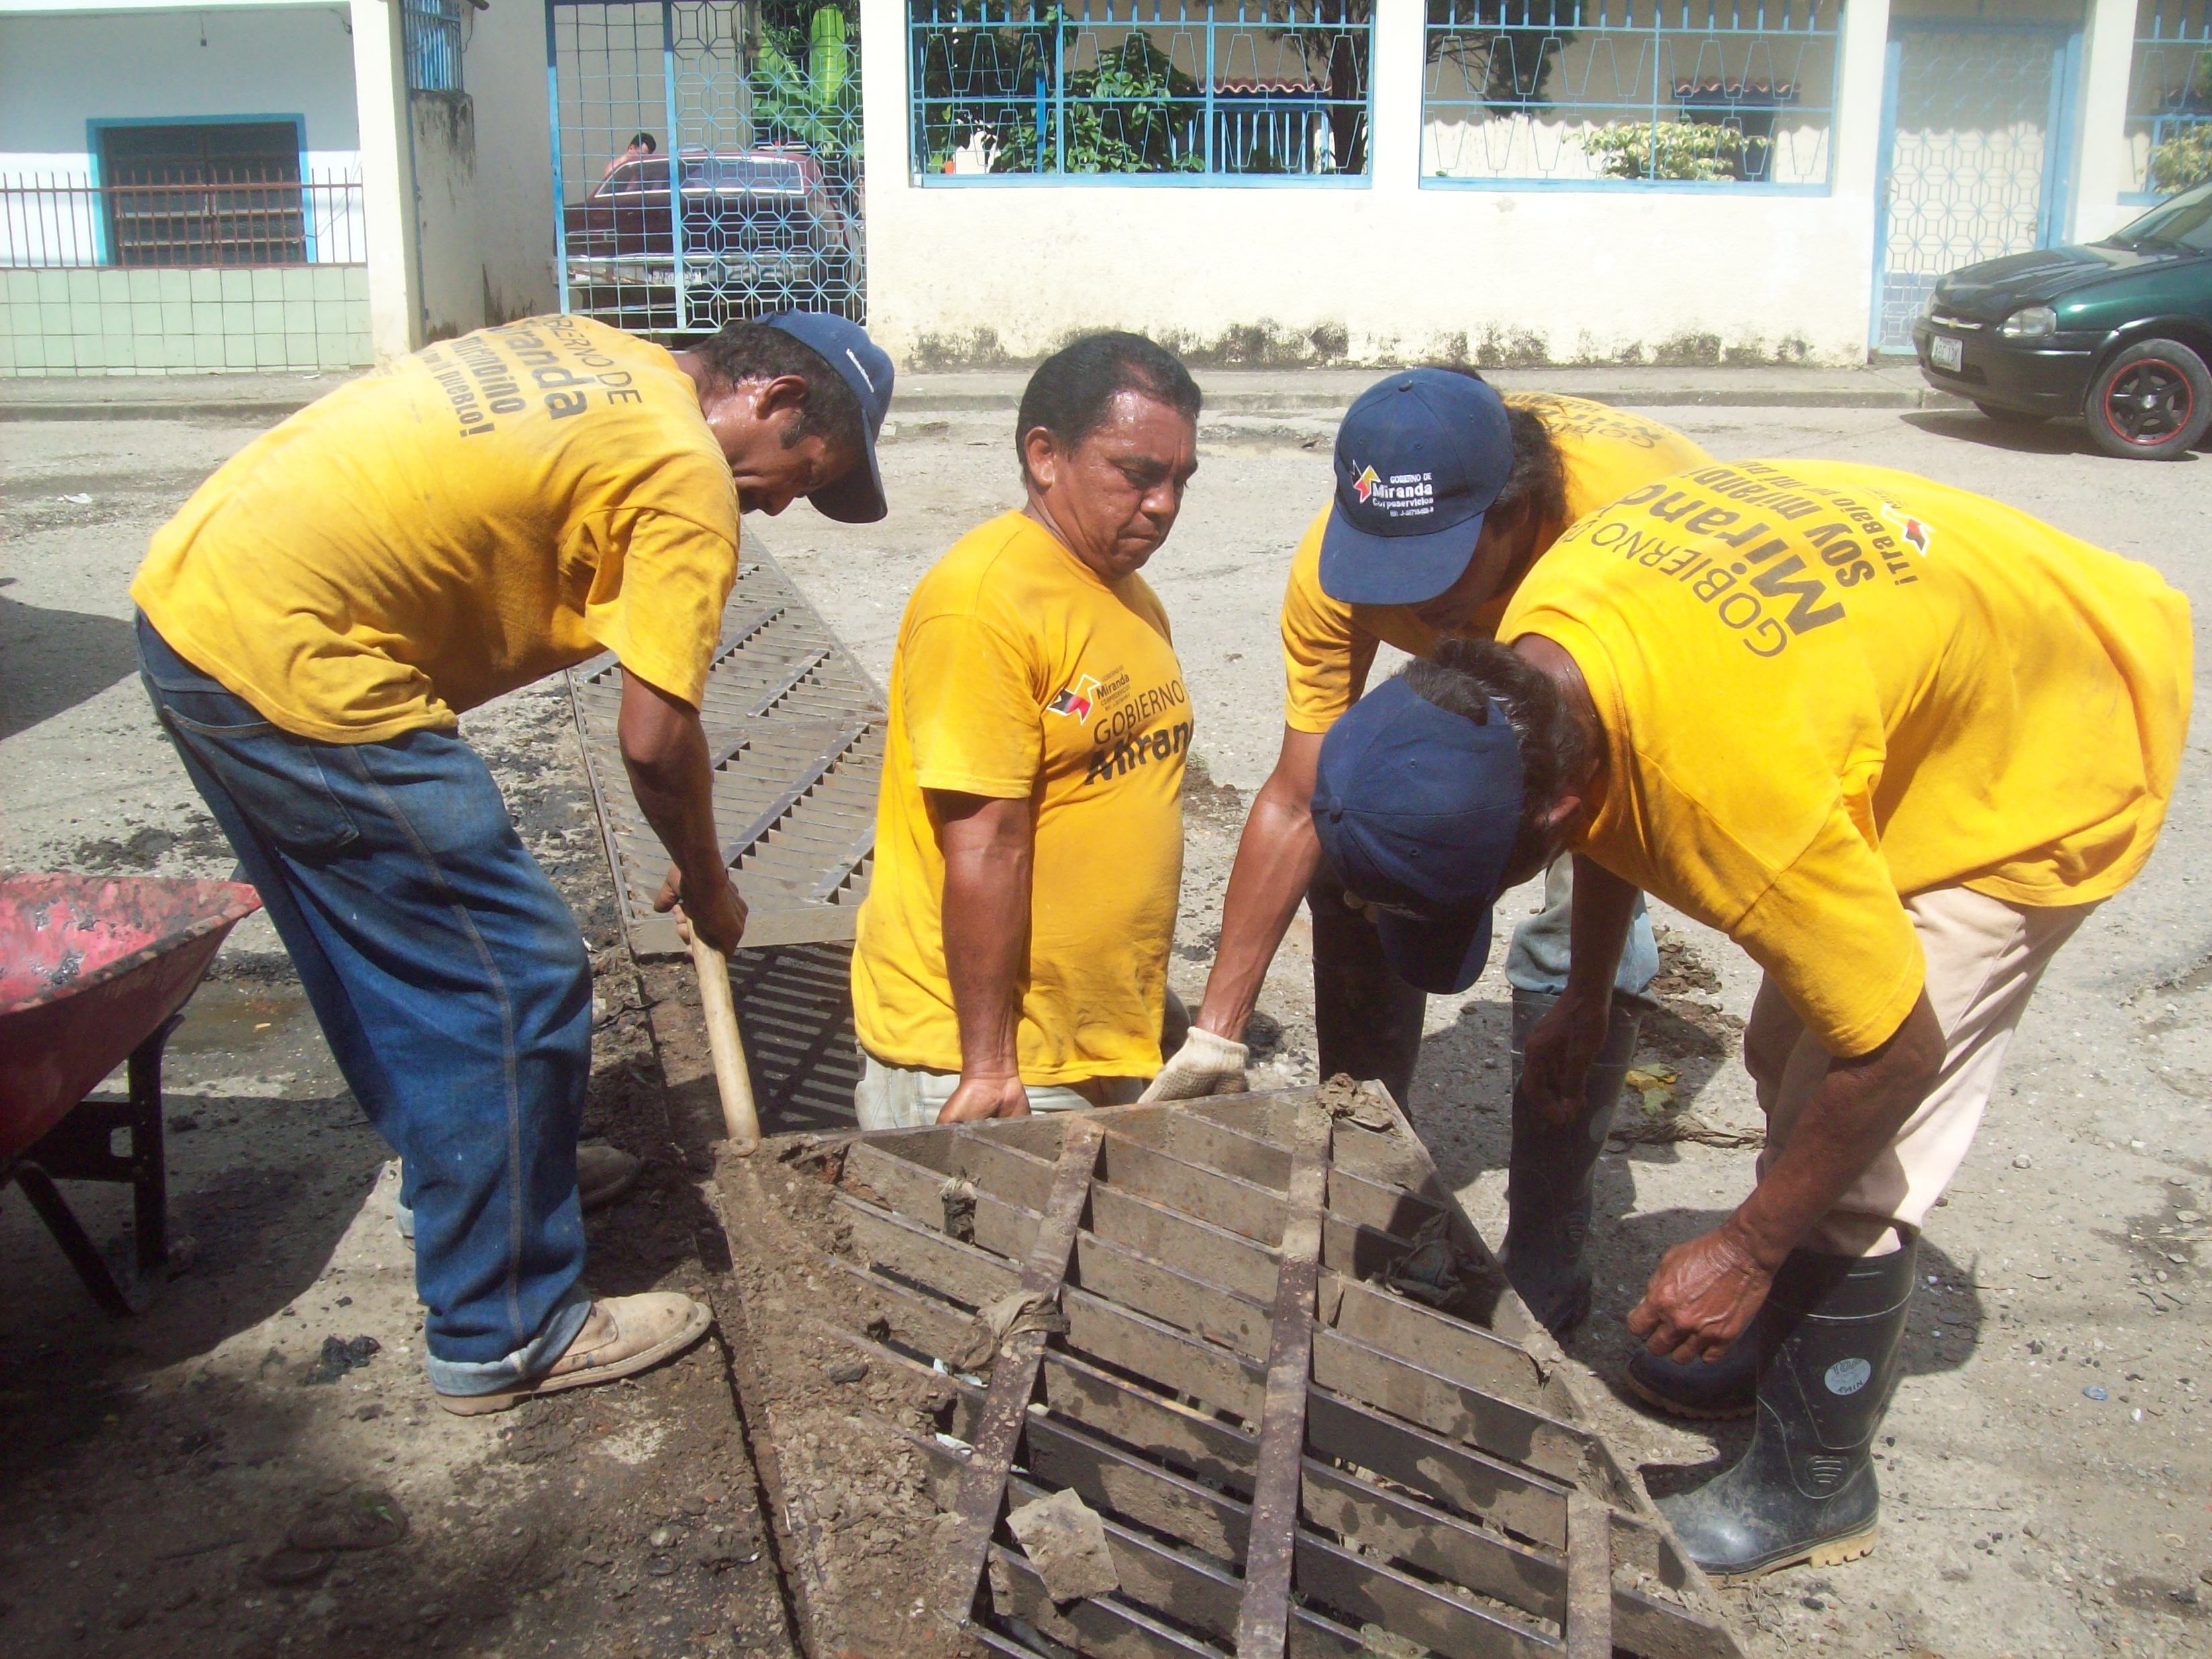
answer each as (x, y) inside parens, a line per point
(1897, 741)
(1446, 496)
(311, 626)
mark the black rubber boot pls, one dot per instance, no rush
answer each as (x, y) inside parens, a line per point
(1805, 1490)
(1551, 1172)
(1724, 1388)
(1367, 1021)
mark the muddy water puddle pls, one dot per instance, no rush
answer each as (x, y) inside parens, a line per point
(228, 1017)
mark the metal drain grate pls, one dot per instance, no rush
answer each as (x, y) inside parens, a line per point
(1273, 1356)
(795, 732)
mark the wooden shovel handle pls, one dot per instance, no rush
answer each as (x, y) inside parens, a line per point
(731, 1077)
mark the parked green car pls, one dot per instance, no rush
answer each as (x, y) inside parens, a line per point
(2118, 331)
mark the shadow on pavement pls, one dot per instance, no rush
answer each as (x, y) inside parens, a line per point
(2049, 438)
(56, 660)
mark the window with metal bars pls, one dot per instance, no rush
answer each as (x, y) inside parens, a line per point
(1627, 94)
(2169, 131)
(1253, 90)
(202, 193)
(432, 32)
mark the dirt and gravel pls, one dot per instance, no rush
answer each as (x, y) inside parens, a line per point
(2047, 1475)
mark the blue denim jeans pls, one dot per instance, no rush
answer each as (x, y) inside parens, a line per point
(452, 987)
(1538, 958)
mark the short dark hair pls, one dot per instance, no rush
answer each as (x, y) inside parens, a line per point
(753, 351)
(1538, 478)
(1069, 394)
(1464, 677)
(644, 140)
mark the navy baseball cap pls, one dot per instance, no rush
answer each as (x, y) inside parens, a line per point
(1419, 459)
(1417, 809)
(858, 497)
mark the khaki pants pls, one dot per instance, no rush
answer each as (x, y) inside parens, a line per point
(907, 1097)
(1984, 959)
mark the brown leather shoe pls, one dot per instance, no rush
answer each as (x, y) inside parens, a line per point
(622, 1336)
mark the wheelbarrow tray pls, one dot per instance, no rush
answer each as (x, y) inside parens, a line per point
(90, 966)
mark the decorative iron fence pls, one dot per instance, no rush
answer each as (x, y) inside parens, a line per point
(2170, 98)
(760, 106)
(182, 278)
(1163, 89)
(1626, 93)
(431, 30)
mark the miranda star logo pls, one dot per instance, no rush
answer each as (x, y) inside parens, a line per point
(1365, 482)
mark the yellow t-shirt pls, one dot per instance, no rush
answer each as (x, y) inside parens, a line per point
(1826, 685)
(1328, 646)
(461, 523)
(1019, 673)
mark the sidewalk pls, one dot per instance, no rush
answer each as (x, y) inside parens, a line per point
(1889, 385)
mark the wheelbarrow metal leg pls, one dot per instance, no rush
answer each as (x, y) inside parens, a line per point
(149, 1170)
(82, 1147)
(76, 1244)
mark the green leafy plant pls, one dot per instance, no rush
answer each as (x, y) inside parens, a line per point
(815, 102)
(1135, 112)
(2184, 161)
(1664, 149)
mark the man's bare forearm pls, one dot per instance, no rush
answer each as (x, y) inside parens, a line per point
(665, 752)
(1850, 1122)
(1276, 858)
(988, 856)
(1604, 906)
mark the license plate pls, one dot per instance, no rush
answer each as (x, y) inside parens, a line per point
(1947, 353)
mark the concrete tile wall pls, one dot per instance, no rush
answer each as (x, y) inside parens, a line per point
(196, 320)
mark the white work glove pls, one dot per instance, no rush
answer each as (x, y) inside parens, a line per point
(1205, 1065)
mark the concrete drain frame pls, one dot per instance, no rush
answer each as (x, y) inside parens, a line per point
(1255, 1334)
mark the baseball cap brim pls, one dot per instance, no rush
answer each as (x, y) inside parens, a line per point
(1440, 954)
(1357, 568)
(857, 497)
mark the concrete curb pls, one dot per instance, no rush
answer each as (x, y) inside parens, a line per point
(1262, 403)
(157, 409)
(934, 402)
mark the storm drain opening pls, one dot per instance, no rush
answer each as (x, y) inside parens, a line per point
(1230, 1378)
(795, 735)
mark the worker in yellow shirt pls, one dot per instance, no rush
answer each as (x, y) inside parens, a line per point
(1012, 950)
(1446, 498)
(311, 626)
(1896, 741)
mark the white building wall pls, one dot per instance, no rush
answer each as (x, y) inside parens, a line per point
(60, 72)
(2108, 167)
(482, 164)
(1388, 271)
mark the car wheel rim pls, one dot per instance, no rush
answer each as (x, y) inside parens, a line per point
(2148, 402)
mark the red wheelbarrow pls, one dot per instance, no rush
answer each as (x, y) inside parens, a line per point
(93, 972)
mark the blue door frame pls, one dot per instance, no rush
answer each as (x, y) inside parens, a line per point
(2060, 139)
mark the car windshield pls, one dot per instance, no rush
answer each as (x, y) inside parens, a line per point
(2184, 222)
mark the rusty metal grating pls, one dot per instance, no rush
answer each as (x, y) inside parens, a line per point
(795, 732)
(1262, 1342)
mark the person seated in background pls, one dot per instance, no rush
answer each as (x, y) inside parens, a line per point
(642, 144)
(1012, 950)
(1447, 497)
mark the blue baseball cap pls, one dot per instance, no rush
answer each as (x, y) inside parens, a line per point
(858, 497)
(1417, 809)
(1419, 459)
